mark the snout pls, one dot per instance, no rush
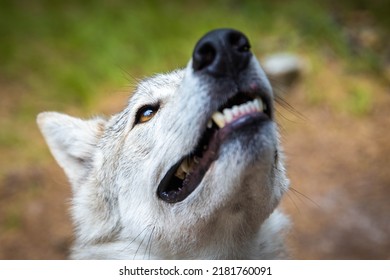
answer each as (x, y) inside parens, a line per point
(222, 53)
(231, 103)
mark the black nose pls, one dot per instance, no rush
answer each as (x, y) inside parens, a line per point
(222, 52)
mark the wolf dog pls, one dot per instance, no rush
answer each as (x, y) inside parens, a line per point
(192, 168)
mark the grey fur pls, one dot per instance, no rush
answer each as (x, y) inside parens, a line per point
(114, 168)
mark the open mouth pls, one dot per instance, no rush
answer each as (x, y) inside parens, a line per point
(242, 110)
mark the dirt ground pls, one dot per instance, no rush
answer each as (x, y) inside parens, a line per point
(339, 170)
(339, 198)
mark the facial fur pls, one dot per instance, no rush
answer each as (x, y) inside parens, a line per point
(115, 166)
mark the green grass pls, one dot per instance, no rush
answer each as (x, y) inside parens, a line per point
(66, 53)
(359, 100)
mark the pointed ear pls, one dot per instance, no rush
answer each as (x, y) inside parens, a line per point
(72, 141)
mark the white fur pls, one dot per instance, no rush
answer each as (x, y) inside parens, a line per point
(115, 166)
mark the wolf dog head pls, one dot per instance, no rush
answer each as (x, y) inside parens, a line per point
(191, 168)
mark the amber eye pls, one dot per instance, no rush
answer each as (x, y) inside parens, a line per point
(145, 114)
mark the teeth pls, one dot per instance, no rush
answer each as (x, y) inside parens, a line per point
(252, 107)
(258, 104)
(228, 114)
(184, 168)
(180, 174)
(187, 165)
(247, 108)
(219, 119)
(235, 110)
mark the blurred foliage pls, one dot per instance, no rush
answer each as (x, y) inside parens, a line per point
(67, 51)
(359, 100)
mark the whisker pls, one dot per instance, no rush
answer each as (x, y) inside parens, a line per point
(149, 244)
(293, 202)
(295, 191)
(127, 75)
(140, 245)
(132, 241)
(285, 105)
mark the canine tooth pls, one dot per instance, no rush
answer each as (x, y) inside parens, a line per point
(219, 119)
(259, 104)
(183, 169)
(180, 174)
(209, 124)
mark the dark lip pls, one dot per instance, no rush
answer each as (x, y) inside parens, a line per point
(218, 137)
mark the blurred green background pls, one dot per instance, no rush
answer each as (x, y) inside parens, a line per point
(84, 57)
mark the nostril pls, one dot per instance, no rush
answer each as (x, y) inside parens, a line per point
(203, 56)
(239, 42)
